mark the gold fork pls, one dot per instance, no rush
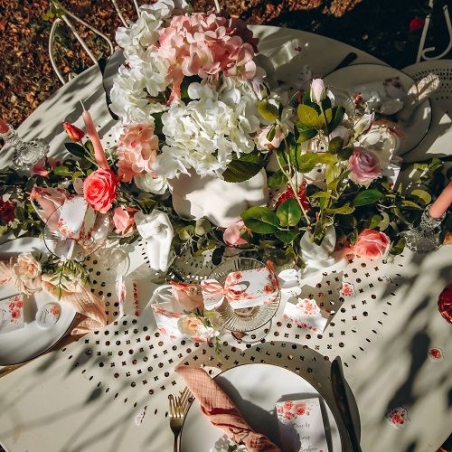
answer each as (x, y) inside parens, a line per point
(178, 407)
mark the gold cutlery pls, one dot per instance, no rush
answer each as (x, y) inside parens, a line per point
(178, 407)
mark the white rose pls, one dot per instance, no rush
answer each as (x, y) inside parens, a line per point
(146, 182)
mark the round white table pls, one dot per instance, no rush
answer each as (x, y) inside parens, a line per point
(108, 390)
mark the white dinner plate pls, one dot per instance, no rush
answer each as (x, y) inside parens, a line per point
(255, 389)
(360, 74)
(32, 340)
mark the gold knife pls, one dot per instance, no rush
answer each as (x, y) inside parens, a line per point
(341, 398)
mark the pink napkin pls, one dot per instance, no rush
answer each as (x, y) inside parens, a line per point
(75, 293)
(222, 412)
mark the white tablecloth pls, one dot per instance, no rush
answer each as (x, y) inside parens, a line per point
(89, 395)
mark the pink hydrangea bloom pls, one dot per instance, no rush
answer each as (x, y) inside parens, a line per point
(137, 151)
(206, 45)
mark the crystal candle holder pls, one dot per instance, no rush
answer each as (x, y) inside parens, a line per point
(427, 235)
(26, 153)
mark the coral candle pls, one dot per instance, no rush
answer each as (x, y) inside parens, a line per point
(99, 153)
(3, 126)
(442, 203)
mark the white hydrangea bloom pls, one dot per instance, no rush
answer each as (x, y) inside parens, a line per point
(210, 130)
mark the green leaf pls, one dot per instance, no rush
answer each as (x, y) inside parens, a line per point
(285, 236)
(309, 116)
(76, 149)
(261, 220)
(397, 246)
(384, 223)
(374, 221)
(335, 145)
(321, 194)
(338, 115)
(305, 133)
(277, 179)
(268, 111)
(202, 226)
(307, 162)
(370, 196)
(407, 203)
(186, 233)
(289, 213)
(346, 209)
(90, 148)
(62, 171)
(422, 194)
(240, 171)
(271, 133)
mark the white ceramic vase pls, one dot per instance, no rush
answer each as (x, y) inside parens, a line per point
(219, 201)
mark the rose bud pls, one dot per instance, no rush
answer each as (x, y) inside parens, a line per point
(73, 132)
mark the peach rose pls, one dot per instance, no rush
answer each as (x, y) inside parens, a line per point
(364, 166)
(99, 189)
(371, 244)
(27, 266)
(124, 220)
(189, 296)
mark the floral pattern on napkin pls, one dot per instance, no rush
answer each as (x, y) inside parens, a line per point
(306, 314)
(398, 417)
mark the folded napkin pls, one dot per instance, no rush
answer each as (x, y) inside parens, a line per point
(222, 412)
(24, 273)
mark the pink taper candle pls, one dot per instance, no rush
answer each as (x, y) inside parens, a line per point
(442, 203)
(3, 126)
(99, 153)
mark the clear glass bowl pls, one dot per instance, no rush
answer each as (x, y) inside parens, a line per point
(244, 320)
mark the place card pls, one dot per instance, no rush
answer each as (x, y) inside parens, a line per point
(11, 313)
(48, 315)
(301, 426)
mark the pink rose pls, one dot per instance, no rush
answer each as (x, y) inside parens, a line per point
(99, 189)
(124, 220)
(232, 234)
(371, 244)
(364, 166)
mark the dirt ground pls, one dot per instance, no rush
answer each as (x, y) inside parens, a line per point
(387, 29)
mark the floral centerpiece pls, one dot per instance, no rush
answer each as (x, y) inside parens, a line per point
(304, 180)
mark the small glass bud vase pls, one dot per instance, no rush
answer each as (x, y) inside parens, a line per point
(26, 153)
(427, 235)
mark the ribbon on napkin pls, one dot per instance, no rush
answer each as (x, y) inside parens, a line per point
(76, 294)
(242, 288)
(221, 410)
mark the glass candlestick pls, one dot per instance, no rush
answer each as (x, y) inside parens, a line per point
(427, 235)
(26, 153)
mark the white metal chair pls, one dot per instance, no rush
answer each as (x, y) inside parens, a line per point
(422, 52)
